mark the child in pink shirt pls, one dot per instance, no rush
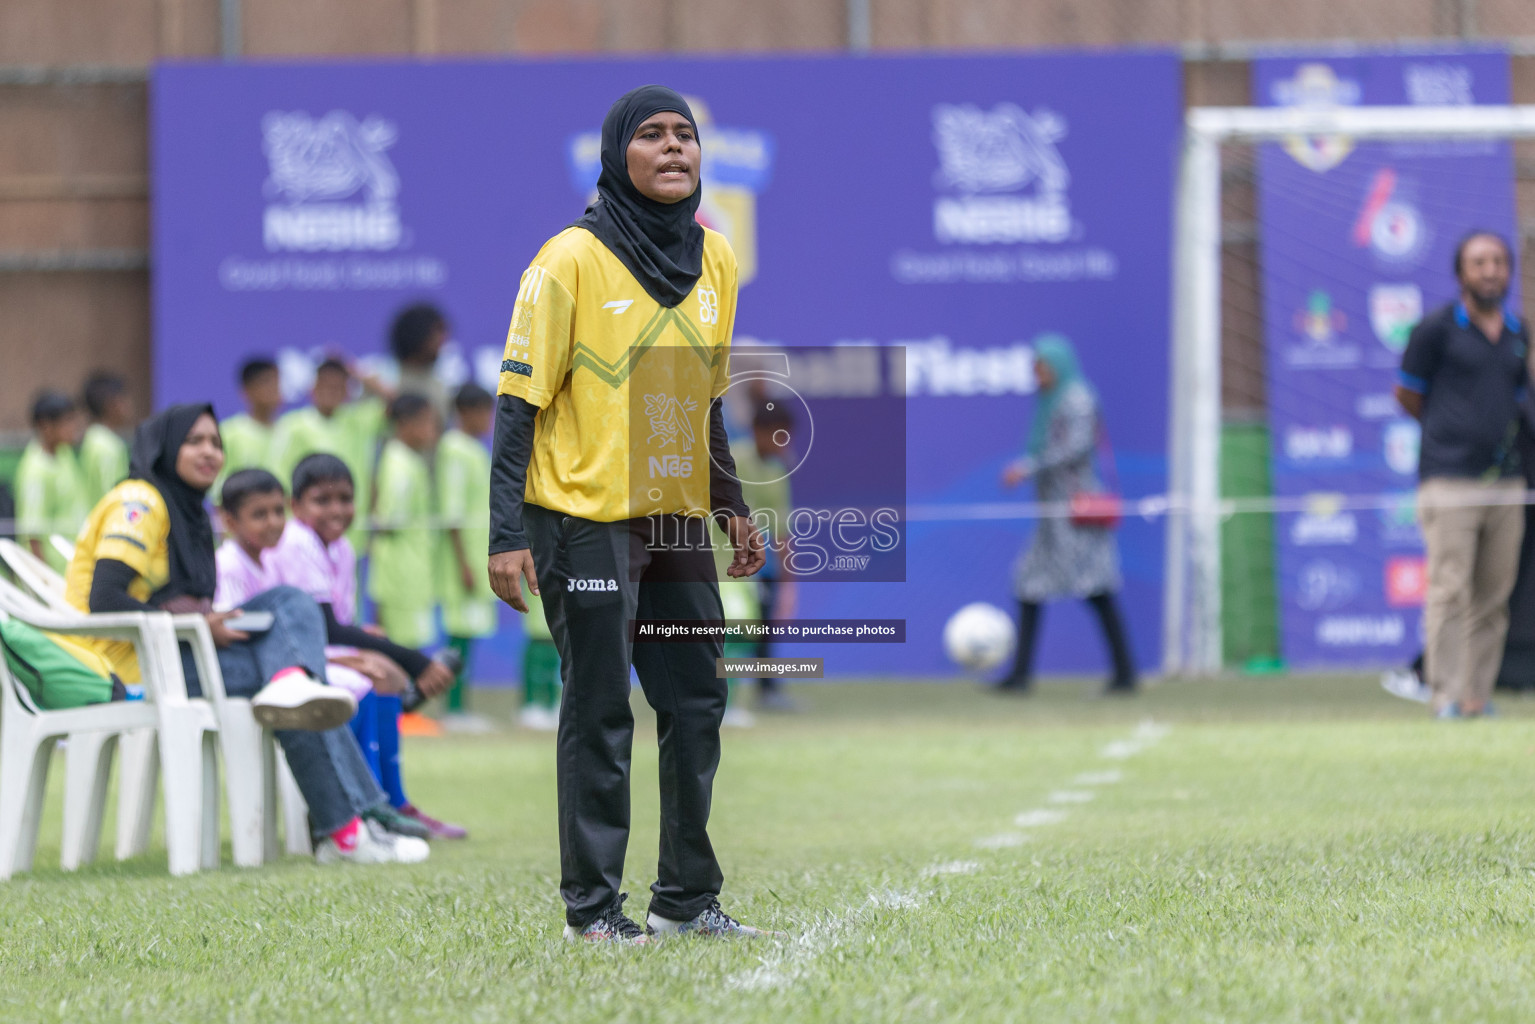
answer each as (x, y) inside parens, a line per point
(255, 517)
(315, 556)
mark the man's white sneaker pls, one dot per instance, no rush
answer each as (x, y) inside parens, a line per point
(374, 846)
(713, 922)
(1404, 683)
(295, 701)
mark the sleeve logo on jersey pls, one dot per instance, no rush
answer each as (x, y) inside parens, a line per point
(134, 512)
(513, 366)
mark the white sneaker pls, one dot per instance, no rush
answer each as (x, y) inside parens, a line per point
(374, 846)
(467, 723)
(712, 922)
(1404, 683)
(539, 719)
(298, 702)
(407, 849)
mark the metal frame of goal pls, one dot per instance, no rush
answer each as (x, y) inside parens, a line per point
(1192, 585)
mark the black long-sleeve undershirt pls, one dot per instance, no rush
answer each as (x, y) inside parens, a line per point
(512, 449)
(109, 588)
(725, 497)
(412, 661)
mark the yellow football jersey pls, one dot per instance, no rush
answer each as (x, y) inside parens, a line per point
(129, 525)
(624, 383)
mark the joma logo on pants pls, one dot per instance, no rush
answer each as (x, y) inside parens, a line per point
(592, 584)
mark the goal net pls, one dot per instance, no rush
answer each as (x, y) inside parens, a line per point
(1308, 244)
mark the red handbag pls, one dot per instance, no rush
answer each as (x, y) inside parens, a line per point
(1100, 510)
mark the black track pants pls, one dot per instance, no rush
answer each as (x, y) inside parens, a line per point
(595, 578)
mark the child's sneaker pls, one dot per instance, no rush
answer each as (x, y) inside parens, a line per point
(610, 926)
(539, 719)
(434, 829)
(396, 821)
(713, 922)
(373, 845)
(293, 700)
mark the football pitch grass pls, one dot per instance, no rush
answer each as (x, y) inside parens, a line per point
(1282, 849)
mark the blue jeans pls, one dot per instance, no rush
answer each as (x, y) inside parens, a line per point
(329, 769)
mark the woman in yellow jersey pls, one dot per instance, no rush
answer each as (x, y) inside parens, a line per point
(610, 455)
(148, 546)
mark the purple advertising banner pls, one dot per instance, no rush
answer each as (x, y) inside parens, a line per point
(943, 211)
(1356, 247)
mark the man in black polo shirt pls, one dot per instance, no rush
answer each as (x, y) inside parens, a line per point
(1463, 377)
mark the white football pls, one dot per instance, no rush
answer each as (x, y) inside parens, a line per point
(978, 637)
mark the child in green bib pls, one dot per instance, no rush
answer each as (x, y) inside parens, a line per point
(334, 425)
(401, 571)
(103, 452)
(463, 503)
(50, 492)
(249, 436)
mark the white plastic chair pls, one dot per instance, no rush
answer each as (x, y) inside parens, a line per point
(28, 734)
(251, 755)
(64, 546)
(137, 767)
(254, 768)
(36, 575)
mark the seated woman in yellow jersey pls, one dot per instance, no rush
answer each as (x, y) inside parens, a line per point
(149, 546)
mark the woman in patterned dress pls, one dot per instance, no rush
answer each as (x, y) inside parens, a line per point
(1064, 559)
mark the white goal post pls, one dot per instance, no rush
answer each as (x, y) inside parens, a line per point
(1192, 641)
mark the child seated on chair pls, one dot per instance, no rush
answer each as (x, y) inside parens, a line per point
(148, 547)
(315, 555)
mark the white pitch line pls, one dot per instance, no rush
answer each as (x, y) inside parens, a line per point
(1107, 778)
(952, 867)
(1147, 733)
(789, 960)
(1039, 817)
(1070, 796)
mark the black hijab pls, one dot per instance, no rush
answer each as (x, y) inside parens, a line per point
(156, 444)
(661, 244)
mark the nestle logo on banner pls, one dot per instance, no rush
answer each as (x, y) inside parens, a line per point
(987, 154)
(334, 187)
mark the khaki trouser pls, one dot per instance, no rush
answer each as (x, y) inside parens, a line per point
(1473, 557)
